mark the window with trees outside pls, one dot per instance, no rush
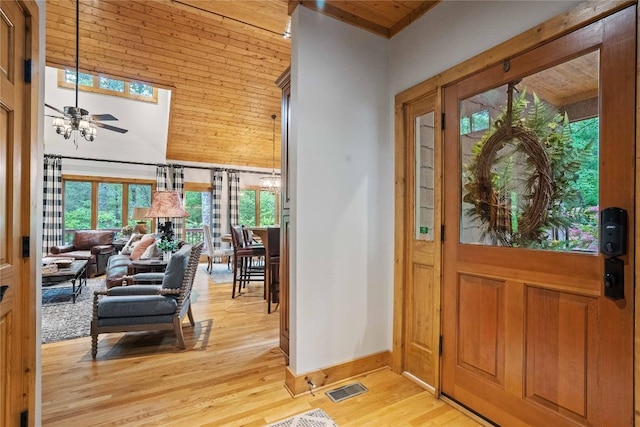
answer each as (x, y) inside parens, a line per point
(258, 208)
(102, 204)
(197, 201)
(107, 86)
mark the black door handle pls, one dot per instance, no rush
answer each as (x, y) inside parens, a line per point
(3, 289)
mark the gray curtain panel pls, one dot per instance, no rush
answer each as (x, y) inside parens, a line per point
(52, 204)
(178, 185)
(234, 197)
(216, 208)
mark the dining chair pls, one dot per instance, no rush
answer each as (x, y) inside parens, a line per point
(247, 266)
(212, 253)
(273, 245)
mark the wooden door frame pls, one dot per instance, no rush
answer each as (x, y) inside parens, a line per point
(553, 28)
(30, 218)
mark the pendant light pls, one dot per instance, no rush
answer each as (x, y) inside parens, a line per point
(272, 182)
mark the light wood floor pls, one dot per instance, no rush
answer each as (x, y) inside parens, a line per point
(232, 374)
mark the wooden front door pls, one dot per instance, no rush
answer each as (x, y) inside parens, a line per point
(14, 217)
(534, 149)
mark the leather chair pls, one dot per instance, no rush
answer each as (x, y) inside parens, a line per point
(149, 307)
(246, 268)
(94, 246)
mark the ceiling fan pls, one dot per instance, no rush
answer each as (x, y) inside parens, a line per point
(76, 118)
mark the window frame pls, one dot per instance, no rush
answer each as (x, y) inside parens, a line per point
(95, 181)
(97, 89)
(256, 188)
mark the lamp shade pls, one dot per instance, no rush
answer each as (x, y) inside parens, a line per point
(166, 204)
(139, 213)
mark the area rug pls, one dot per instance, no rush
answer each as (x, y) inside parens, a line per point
(61, 318)
(313, 418)
(220, 274)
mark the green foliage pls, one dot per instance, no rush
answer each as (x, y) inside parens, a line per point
(143, 89)
(78, 209)
(110, 84)
(267, 208)
(193, 205)
(247, 208)
(165, 245)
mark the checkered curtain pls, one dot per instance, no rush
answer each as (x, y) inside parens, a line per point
(52, 204)
(234, 197)
(178, 185)
(216, 208)
(162, 184)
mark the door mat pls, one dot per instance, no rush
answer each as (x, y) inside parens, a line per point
(313, 418)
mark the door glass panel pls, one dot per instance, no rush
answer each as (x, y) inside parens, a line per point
(530, 166)
(424, 184)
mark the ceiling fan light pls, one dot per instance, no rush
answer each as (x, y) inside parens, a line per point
(58, 122)
(90, 133)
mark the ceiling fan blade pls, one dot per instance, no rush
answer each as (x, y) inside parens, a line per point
(102, 117)
(109, 127)
(55, 109)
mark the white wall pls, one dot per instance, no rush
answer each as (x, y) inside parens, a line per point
(342, 173)
(147, 124)
(342, 162)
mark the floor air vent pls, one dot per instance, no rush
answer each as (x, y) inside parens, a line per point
(345, 392)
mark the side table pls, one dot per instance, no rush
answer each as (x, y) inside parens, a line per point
(119, 244)
(146, 266)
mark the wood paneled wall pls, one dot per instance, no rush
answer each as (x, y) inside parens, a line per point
(220, 70)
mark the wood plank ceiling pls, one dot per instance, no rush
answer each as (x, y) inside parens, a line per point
(219, 58)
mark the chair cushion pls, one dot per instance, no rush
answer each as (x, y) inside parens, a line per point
(134, 306)
(177, 267)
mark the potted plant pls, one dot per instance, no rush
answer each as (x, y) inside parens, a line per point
(167, 247)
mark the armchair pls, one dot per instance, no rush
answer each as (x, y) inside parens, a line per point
(149, 307)
(94, 246)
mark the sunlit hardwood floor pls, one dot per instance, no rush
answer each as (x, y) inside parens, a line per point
(232, 374)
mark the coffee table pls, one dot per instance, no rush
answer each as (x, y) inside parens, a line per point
(77, 272)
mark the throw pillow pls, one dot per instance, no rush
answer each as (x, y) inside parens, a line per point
(131, 243)
(151, 252)
(177, 267)
(142, 246)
